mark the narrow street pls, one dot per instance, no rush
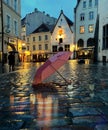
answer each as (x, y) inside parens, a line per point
(80, 106)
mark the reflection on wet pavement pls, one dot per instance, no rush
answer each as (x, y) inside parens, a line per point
(80, 106)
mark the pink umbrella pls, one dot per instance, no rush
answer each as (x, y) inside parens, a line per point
(51, 66)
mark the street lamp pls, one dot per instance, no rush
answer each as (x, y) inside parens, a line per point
(23, 49)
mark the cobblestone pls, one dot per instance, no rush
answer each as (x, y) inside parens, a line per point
(80, 106)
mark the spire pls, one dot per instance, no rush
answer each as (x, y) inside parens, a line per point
(62, 11)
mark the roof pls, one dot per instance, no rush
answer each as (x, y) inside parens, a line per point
(78, 1)
(23, 21)
(69, 22)
(44, 28)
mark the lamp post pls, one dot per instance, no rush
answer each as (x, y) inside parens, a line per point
(2, 35)
(23, 49)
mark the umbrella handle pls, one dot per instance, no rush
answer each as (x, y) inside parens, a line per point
(60, 74)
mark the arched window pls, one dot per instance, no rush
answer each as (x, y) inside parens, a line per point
(90, 42)
(80, 43)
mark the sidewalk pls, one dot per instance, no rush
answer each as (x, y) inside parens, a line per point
(22, 65)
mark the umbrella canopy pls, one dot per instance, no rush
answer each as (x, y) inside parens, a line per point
(51, 66)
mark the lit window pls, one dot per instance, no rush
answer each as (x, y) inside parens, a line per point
(82, 29)
(23, 29)
(60, 32)
(90, 28)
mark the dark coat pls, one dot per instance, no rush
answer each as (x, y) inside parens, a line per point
(11, 59)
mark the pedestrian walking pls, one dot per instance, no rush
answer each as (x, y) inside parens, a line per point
(11, 59)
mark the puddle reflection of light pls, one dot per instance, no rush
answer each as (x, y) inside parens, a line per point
(46, 107)
(17, 106)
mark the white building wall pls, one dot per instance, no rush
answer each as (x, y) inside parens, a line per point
(10, 31)
(67, 33)
(103, 20)
(86, 22)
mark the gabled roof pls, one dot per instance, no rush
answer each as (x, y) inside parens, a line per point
(78, 1)
(43, 28)
(69, 22)
(23, 21)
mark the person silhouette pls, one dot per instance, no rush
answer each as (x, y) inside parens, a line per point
(11, 59)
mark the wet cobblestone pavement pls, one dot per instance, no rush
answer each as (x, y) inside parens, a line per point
(80, 106)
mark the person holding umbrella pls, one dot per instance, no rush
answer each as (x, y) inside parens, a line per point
(11, 59)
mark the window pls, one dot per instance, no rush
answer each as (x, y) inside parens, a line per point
(46, 37)
(8, 19)
(96, 2)
(82, 30)
(80, 43)
(27, 48)
(91, 28)
(27, 39)
(34, 47)
(15, 5)
(90, 3)
(40, 47)
(54, 48)
(91, 15)
(46, 46)
(67, 47)
(82, 17)
(7, 2)
(60, 40)
(15, 27)
(23, 29)
(23, 37)
(39, 38)
(34, 39)
(105, 37)
(84, 4)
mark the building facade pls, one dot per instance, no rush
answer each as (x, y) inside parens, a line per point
(103, 31)
(38, 43)
(33, 20)
(10, 27)
(63, 34)
(86, 21)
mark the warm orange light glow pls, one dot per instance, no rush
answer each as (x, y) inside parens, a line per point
(60, 32)
(23, 44)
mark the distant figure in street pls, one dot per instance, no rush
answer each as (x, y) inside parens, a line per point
(11, 59)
